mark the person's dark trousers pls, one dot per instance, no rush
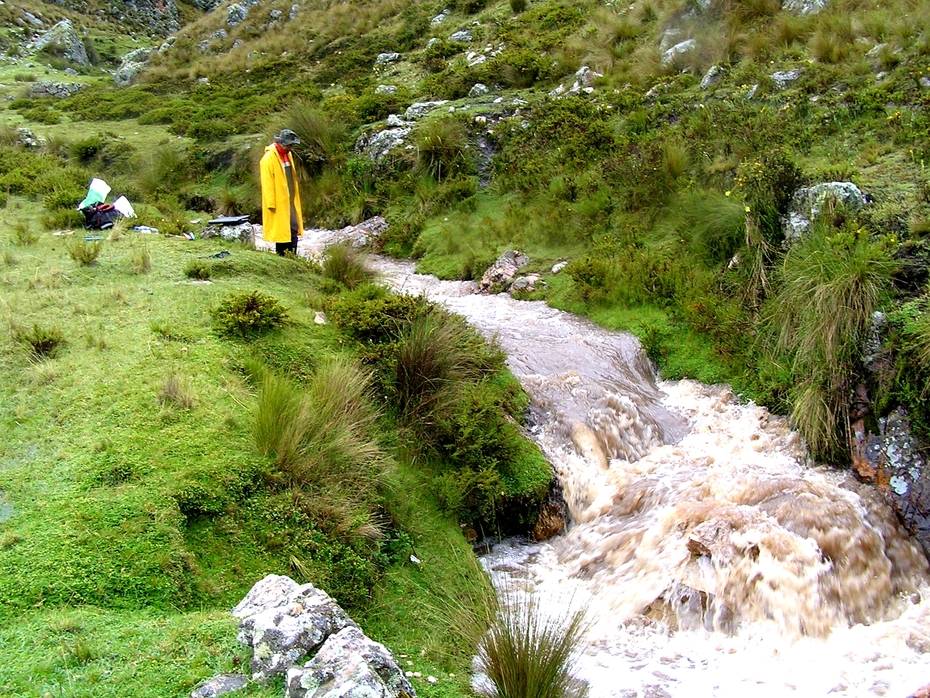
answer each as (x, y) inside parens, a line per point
(282, 248)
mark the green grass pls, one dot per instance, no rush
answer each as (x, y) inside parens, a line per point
(142, 508)
(95, 652)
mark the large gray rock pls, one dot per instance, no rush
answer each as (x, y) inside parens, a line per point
(132, 64)
(418, 110)
(808, 203)
(783, 78)
(207, 5)
(349, 665)
(679, 49)
(63, 38)
(500, 275)
(804, 7)
(711, 77)
(892, 459)
(285, 623)
(220, 686)
(236, 14)
(376, 145)
(244, 232)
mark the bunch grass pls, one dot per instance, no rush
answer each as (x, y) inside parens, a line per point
(527, 652)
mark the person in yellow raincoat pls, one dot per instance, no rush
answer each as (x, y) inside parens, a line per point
(282, 220)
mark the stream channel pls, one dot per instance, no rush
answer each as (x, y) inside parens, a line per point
(712, 558)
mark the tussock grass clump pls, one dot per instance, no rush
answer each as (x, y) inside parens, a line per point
(9, 136)
(346, 266)
(84, 252)
(434, 357)
(529, 653)
(198, 269)
(442, 148)
(24, 235)
(319, 437)
(176, 391)
(140, 260)
(829, 286)
(42, 342)
(322, 137)
(166, 173)
(920, 337)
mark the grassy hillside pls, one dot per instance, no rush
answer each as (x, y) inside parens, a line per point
(177, 426)
(667, 196)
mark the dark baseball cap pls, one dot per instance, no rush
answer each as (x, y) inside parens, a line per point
(287, 137)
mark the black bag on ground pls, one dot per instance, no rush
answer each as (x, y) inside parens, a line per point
(100, 216)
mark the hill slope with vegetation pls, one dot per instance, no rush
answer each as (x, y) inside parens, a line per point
(655, 146)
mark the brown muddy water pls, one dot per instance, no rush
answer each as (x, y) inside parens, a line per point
(712, 558)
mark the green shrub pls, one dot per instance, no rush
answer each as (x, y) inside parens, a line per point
(84, 252)
(372, 314)
(593, 275)
(767, 184)
(401, 234)
(470, 7)
(519, 68)
(248, 315)
(196, 500)
(87, 148)
(63, 219)
(517, 6)
(42, 342)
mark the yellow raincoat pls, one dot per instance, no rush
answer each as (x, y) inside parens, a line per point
(276, 210)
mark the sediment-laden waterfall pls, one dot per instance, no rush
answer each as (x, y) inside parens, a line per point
(712, 559)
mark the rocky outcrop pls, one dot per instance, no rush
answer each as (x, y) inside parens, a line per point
(679, 49)
(375, 145)
(207, 5)
(298, 630)
(220, 686)
(132, 64)
(418, 110)
(284, 623)
(892, 460)
(501, 274)
(59, 90)
(808, 203)
(63, 39)
(804, 7)
(158, 16)
(349, 664)
(149, 16)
